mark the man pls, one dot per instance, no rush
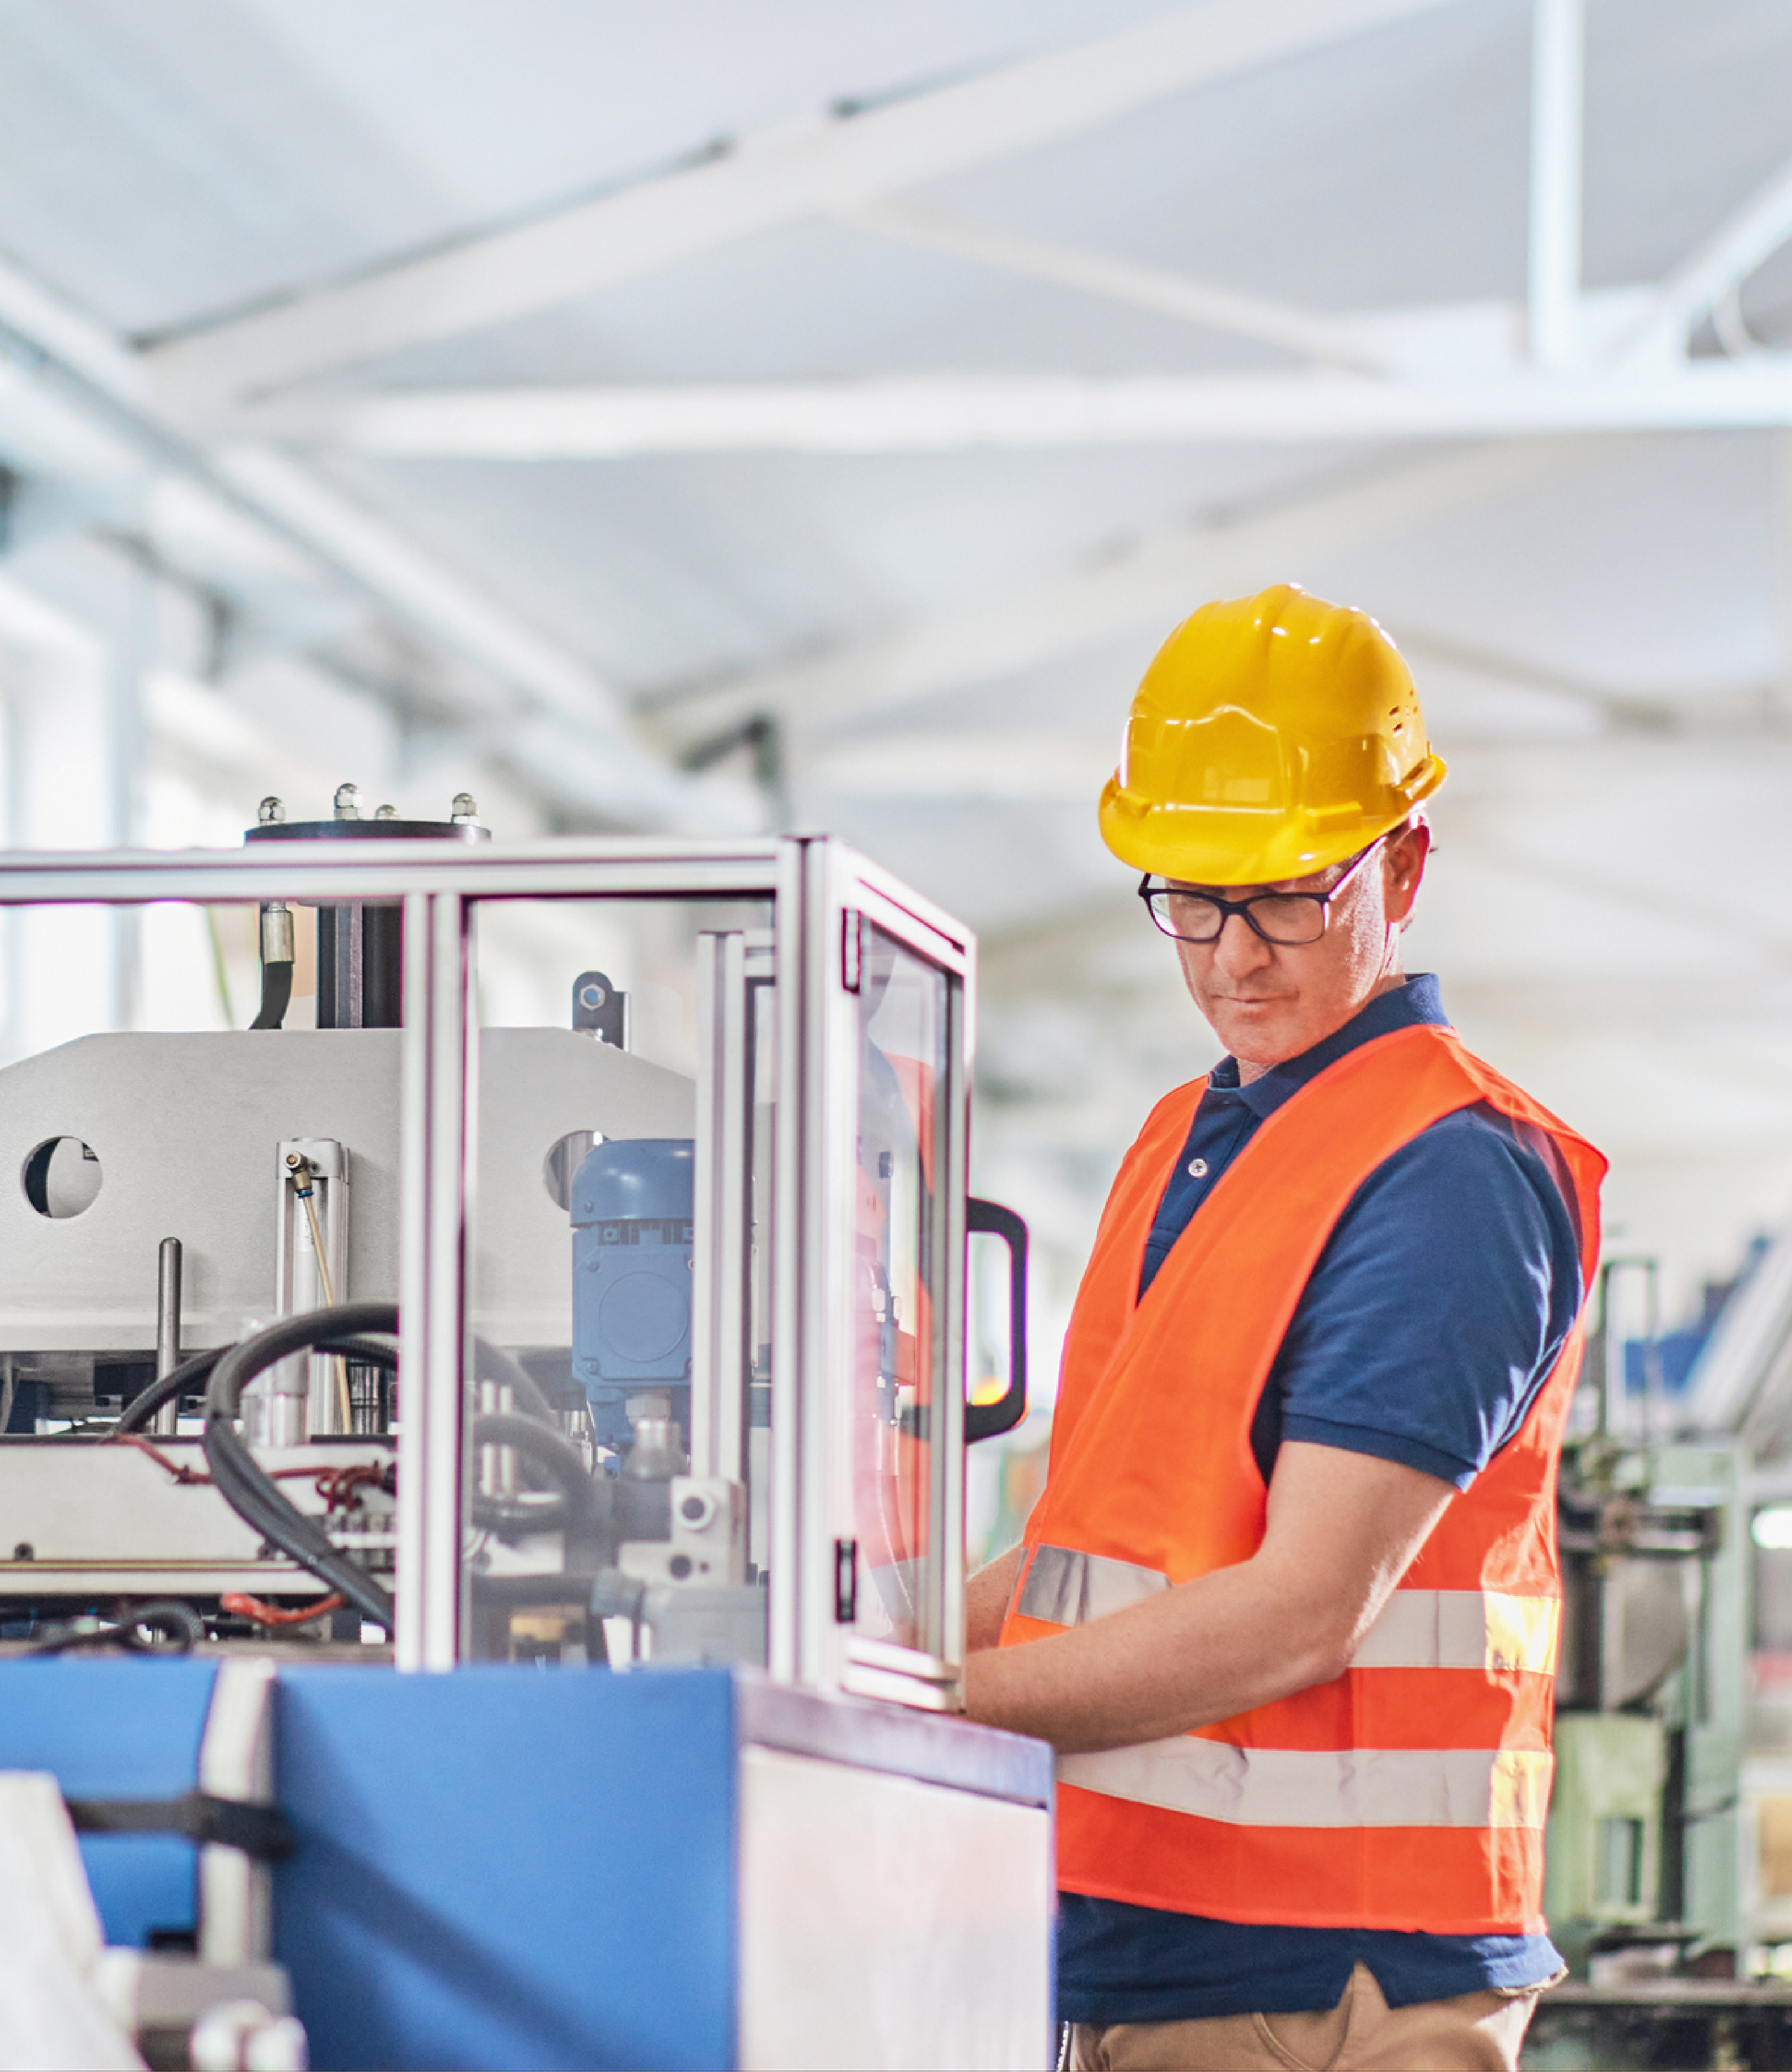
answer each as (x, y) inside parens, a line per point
(1287, 1606)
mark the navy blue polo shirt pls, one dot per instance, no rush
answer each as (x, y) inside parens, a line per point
(1434, 1315)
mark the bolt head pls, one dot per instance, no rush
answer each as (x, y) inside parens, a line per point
(348, 802)
(271, 812)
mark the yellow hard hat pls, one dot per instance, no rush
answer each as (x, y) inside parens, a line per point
(1272, 735)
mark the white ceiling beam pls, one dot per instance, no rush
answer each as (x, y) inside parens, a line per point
(945, 414)
(427, 593)
(1169, 294)
(1142, 591)
(47, 322)
(46, 436)
(1717, 268)
(762, 184)
(1558, 61)
(81, 373)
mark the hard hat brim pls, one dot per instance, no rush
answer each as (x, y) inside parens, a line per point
(1221, 845)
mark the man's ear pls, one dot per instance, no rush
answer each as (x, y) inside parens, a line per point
(1407, 850)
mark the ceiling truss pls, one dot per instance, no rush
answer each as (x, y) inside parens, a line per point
(1565, 361)
(227, 405)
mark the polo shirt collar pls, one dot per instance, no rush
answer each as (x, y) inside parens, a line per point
(1416, 1003)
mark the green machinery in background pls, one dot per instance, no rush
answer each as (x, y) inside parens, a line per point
(1653, 1893)
(1643, 1843)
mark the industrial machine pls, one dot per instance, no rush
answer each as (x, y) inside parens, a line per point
(565, 1271)
(1648, 1890)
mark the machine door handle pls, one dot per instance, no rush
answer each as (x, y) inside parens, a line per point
(984, 1420)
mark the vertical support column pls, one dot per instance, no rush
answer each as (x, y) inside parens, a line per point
(1558, 61)
(828, 1093)
(796, 928)
(719, 1308)
(947, 1453)
(436, 1103)
(1716, 1679)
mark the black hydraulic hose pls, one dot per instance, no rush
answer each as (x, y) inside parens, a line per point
(256, 1499)
(361, 1352)
(532, 1430)
(164, 1626)
(262, 1504)
(178, 1381)
(187, 1378)
(243, 1362)
(550, 1454)
(490, 1362)
(277, 996)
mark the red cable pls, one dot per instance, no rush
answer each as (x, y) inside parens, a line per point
(145, 1446)
(194, 1478)
(337, 1486)
(252, 1607)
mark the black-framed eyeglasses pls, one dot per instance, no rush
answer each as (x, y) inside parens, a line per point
(1287, 920)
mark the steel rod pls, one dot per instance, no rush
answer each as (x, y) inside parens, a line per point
(167, 1330)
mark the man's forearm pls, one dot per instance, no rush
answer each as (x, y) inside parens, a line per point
(1200, 1652)
(1341, 1529)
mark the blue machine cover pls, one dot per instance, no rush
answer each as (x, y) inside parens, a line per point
(120, 1728)
(502, 1868)
(632, 1205)
(630, 1179)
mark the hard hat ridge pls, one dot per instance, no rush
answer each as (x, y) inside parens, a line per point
(1271, 736)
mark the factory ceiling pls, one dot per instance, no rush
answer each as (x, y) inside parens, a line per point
(740, 413)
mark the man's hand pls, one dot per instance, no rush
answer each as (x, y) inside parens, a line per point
(1343, 1529)
(986, 1598)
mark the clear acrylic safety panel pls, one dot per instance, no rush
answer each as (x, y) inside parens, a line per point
(136, 1107)
(900, 1313)
(151, 1210)
(618, 1278)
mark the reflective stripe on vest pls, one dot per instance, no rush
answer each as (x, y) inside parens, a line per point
(1323, 1787)
(1065, 1587)
(1462, 1629)
(1487, 1629)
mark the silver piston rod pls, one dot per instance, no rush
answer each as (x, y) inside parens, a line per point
(167, 1330)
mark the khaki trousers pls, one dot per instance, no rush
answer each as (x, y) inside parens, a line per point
(1475, 2032)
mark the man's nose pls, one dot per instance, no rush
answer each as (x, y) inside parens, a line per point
(1240, 949)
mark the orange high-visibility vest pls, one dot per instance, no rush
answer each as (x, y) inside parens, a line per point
(1410, 1793)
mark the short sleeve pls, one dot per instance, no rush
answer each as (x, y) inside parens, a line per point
(1438, 1307)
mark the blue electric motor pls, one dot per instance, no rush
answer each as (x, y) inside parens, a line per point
(632, 1202)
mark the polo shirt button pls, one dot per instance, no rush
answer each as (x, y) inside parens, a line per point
(1197, 1169)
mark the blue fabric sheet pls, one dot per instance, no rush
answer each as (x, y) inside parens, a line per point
(1432, 1318)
